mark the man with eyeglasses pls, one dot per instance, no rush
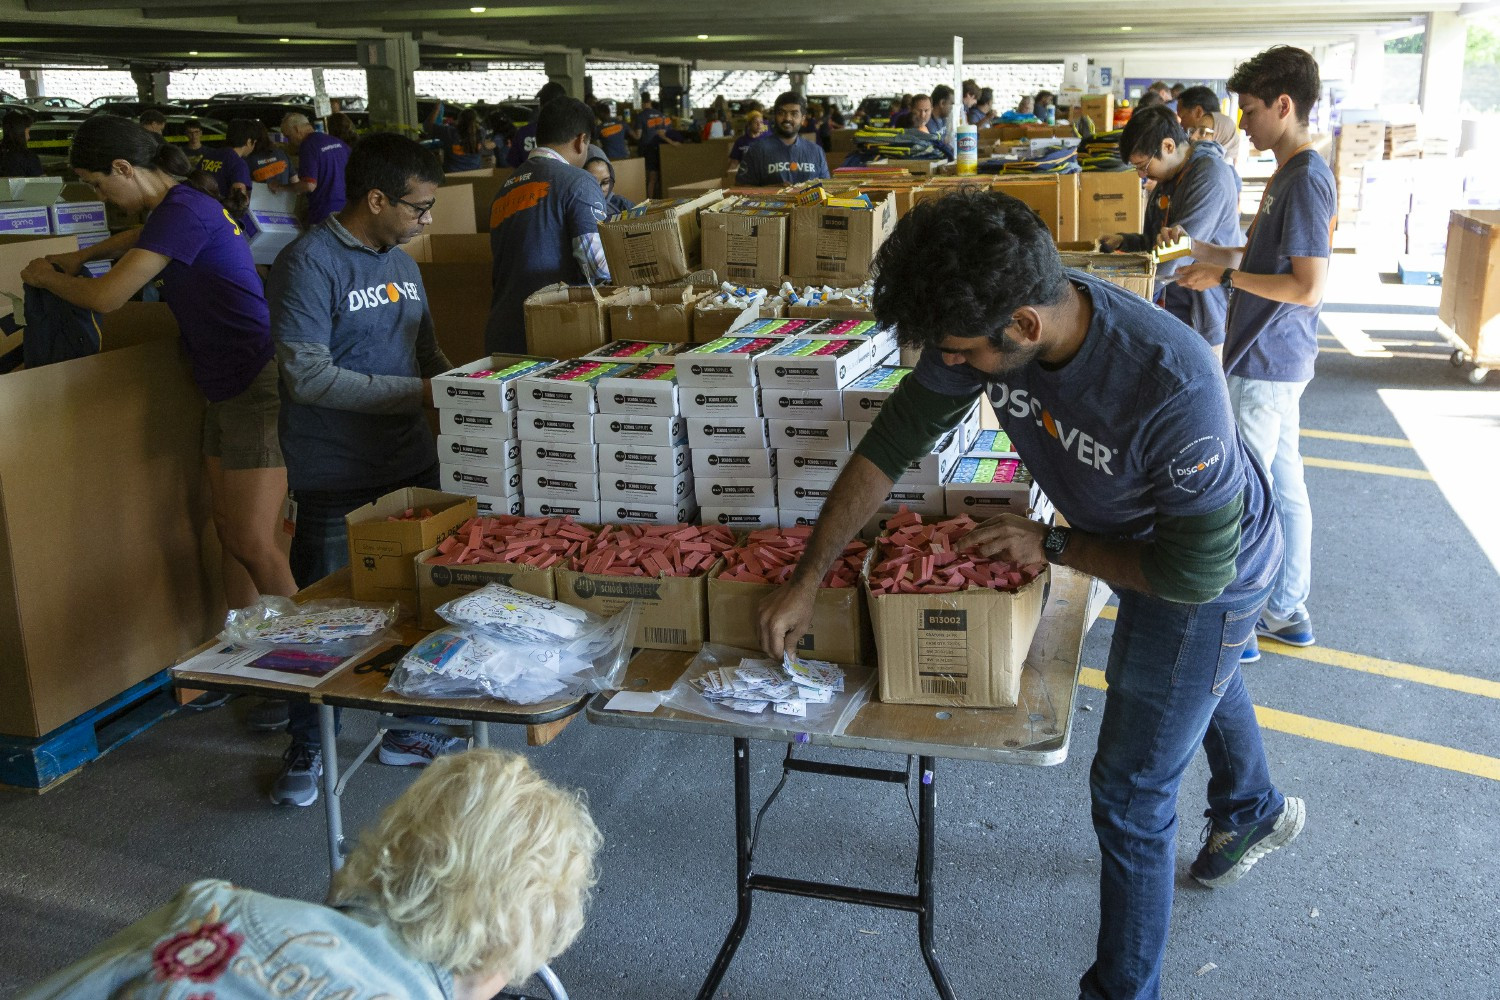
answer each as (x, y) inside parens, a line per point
(783, 157)
(544, 223)
(321, 160)
(355, 384)
(1195, 189)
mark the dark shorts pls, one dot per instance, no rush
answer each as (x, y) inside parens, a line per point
(241, 431)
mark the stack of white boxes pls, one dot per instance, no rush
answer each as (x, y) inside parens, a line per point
(555, 422)
(644, 472)
(989, 480)
(477, 444)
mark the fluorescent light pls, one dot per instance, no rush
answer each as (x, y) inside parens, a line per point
(193, 52)
(1126, 27)
(283, 39)
(702, 38)
(477, 10)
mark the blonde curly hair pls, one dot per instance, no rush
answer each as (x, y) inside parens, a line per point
(481, 866)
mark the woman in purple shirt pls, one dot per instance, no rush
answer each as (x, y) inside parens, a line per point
(210, 283)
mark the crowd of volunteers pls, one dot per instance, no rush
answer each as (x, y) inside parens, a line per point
(1166, 432)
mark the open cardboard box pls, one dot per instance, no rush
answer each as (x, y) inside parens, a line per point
(840, 631)
(382, 551)
(673, 609)
(838, 243)
(653, 314)
(567, 321)
(662, 244)
(437, 585)
(455, 272)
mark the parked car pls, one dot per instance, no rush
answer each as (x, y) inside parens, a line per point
(133, 109)
(268, 113)
(350, 102)
(110, 99)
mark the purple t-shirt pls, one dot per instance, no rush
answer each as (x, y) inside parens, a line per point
(212, 288)
(227, 167)
(321, 157)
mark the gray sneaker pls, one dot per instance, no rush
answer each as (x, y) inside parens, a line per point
(412, 748)
(1226, 855)
(297, 785)
(267, 715)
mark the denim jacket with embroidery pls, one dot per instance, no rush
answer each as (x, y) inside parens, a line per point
(214, 941)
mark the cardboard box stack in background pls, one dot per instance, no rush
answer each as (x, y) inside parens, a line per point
(1109, 202)
(452, 268)
(1357, 144)
(479, 449)
(47, 206)
(1134, 272)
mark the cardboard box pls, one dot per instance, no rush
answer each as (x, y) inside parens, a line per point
(553, 456)
(927, 499)
(672, 611)
(464, 388)
(73, 218)
(739, 463)
(585, 511)
(814, 363)
(24, 220)
(988, 487)
(743, 247)
(567, 428)
(19, 249)
(1067, 207)
(739, 518)
(473, 480)
(653, 314)
(800, 432)
(727, 432)
(270, 233)
(838, 242)
(964, 649)
(729, 361)
(453, 210)
(663, 431)
(498, 506)
(806, 464)
(864, 397)
(803, 494)
(1471, 282)
(452, 268)
(382, 552)
(813, 404)
(566, 321)
(728, 401)
(1100, 109)
(437, 585)
(669, 512)
(630, 178)
(565, 388)
(727, 491)
(840, 631)
(711, 322)
(571, 486)
(643, 461)
(478, 423)
(1109, 202)
(637, 352)
(480, 452)
(1134, 272)
(484, 185)
(797, 518)
(660, 243)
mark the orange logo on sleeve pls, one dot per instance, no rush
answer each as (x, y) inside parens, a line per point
(518, 199)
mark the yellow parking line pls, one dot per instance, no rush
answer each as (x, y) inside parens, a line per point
(1355, 738)
(1357, 438)
(1376, 470)
(1410, 672)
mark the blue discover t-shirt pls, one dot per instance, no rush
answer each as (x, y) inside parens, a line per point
(768, 160)
(1278, 341)
(1136, 425)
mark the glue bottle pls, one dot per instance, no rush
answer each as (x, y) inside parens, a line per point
(967, 142)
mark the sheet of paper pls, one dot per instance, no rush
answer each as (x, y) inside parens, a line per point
(634, 701)
(299, 667)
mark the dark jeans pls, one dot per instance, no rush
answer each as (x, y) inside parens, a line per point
(1174, 684)
(320, 546)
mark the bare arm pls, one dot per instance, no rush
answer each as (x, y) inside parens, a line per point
(1302, 287)
(1019, 540)
(786, 613)
(111, 249)
(103, 294)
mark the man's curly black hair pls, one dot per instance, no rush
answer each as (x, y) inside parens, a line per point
(961, 265)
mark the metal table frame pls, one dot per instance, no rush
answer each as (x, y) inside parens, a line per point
(1014, 736)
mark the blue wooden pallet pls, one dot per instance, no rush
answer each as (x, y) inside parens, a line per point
(37, 764)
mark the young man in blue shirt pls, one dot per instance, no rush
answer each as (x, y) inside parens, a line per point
(1277, 282)
(1122, 416)
(524, 139)
(783, 157)
(544, 223)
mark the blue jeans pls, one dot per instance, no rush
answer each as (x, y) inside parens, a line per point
(1270, 421)
(1174, 684)
(320, 546)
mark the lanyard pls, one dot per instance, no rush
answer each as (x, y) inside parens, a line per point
(1270, 181)
(1179, 180)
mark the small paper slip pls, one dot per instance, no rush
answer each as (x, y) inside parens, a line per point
(634, 701)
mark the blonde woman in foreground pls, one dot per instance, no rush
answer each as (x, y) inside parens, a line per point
(474, 878)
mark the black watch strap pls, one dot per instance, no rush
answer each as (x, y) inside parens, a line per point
(1227, 278)
(1055, 542)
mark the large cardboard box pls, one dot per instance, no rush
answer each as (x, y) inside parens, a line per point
(840, 631)
(673, 609)
(18, 250)
(661, 315)
(695, 188)
(437, 585)
(567, 321)
(1042, 194)
(484, 185)
(455, 272)
(1471, 281)
(711, 323)
(1067, 207)
(1134, 272)
(453, 211)
(1100, 108)
(660, 245)
(743, 248)
(963, 649)
(108, 564)
(630, 178)
(694, 161)
(1109, 202)
(382, 551)
(832, 242)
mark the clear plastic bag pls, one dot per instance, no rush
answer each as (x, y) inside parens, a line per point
(519, 653)
(827, 719)
(330, 626)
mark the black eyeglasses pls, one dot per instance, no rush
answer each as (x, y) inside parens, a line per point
(421, 210)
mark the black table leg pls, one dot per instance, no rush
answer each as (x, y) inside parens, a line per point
(742, 834)
(926, 855)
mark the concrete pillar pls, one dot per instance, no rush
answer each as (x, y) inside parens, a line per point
(1368, 79)
(389, 65)
(36, 83)
(676, 80)
(566, 68)
(1442, 71)
(150, 85)
(798, 81)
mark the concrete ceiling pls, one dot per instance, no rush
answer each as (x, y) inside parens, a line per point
(760, 35)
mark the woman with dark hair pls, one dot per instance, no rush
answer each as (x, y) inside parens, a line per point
(268, 165)
(464, 142)
(16, 157)
(341, 127)
(210, 284)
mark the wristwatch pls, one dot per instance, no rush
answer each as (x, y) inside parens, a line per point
(1227, 278)
(1055, 542)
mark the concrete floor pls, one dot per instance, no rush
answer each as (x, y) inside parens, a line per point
(1390, 892)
